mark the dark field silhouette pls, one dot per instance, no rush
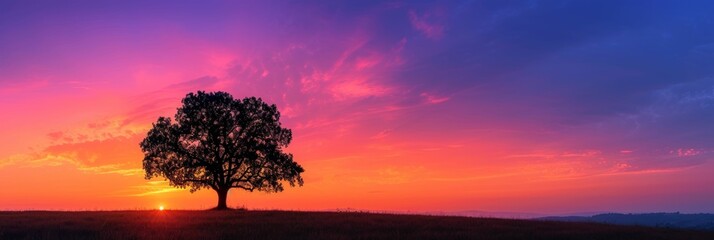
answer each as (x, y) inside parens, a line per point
(306, 225)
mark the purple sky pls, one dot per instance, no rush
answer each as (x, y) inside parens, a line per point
(576, 105)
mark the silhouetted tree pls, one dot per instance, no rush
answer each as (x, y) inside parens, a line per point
(221, 143)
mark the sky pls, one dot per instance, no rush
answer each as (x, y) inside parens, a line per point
(414, 106)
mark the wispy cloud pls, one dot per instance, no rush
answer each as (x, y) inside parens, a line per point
(432, 99)
(449, 96)
(424, 24)
(157, 190)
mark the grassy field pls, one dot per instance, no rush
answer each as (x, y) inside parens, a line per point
(304, 225)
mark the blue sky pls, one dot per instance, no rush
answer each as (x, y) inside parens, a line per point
(544, 100)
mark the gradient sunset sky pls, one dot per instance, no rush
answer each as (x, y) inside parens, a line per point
(524, 106)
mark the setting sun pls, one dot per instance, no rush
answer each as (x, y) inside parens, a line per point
(161, 208)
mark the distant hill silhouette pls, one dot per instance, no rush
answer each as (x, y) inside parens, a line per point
(493, 214)
(702, 221)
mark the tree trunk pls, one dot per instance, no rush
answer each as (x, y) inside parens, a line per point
(222, 196)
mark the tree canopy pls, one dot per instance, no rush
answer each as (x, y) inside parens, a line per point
(218, 142)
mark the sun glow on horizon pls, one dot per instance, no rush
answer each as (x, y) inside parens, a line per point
(161, 207)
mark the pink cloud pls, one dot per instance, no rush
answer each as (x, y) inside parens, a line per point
(368, 62)
(550, 155)
(432, 99)
(686, 152)
(349, 51)
(312, 81)
(398, 59)
(589, 153)
(382, 134)
(356, 88)
(219, 59)
(422, 24)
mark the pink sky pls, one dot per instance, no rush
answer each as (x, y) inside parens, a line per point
(390, 105)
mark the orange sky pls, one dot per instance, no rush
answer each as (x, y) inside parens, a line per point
(393, 106)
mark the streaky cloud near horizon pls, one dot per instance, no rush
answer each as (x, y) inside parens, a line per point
(519, 106)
